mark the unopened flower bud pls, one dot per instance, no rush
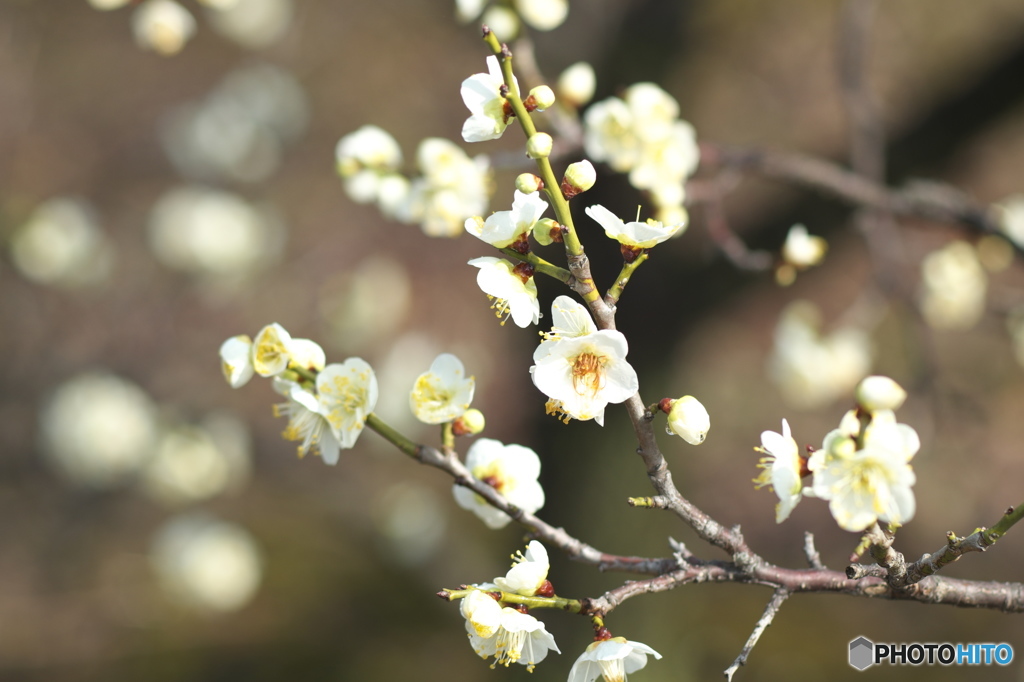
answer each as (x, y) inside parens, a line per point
(688, 419)
(545, 231)
(576, 84)
(528, 183)
(842, 447)
(880, 393)
(578, 178)
(469, 424)
(539, 146)
(541, 97)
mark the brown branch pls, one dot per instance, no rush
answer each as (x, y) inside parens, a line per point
(762, 624)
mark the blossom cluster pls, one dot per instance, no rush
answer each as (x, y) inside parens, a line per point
(326, 405)
(506, 630)
(451, 186)
(642, 134)
(862, 468)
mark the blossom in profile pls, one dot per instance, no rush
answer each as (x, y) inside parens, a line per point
(236, 360)
(443, 393)
(781, 467)
(512, 470)
(346, 395)
(305, 423)
(528, 573)
(503, 228)
(512, 287)
(613, 659)
(634, 234)
(488, 108)
(581, 374)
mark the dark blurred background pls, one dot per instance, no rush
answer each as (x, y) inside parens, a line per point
(348, 558)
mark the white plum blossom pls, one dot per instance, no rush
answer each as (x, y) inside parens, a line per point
(613, 659)
(872, 483)
(513, 295)
(582, 373)
(346, 394)
(528, 572)
(482, 96)
(305, 423)
(270, 354)
(306, 354)
(576, 84)
(367, 160)
(443, 393)
(880, 393)
(518, 637)
(781, 466)
(236, 360)
(569, 319)
(504, 228)
(635, 234)
(688, 419)
(453, 187)
(512, 470)
(543, 15)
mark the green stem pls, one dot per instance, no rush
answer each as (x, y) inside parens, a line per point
(447, 435)
(1011, 517)
(307, 374)
(392, 436)
(540, 265)
(611, 297)
(570, 605)
(552, 186)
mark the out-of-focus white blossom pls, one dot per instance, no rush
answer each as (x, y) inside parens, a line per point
(581, 374)
(634, 234)
(365, 159)
(781, 466)
(514, 296)
(512, 470)
(213, 232)
(194, 463)
(366, 303)
(613, 659)
(105, 5)
(253, 24)
(528, 573)
(443, 393)
(206, 564)
(163, 26)
(543, 15)
(576, 84)
(410, 520)
(642, 135)
(503, 228)
(61, 244)
(880, 393)
(953, 287)
(803, 250)
(502, 20)
(453, 187)
(238, 131)
(98, 429)
(812, 369)
(688, 419)
(487, 107)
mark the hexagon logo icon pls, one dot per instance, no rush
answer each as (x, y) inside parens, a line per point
(862, 653)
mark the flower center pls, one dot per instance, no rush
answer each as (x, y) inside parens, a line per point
(587, 371)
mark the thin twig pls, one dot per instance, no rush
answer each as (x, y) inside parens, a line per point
(763, 622)
(811, 552)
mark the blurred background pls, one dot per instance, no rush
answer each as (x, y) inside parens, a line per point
(155, 524)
